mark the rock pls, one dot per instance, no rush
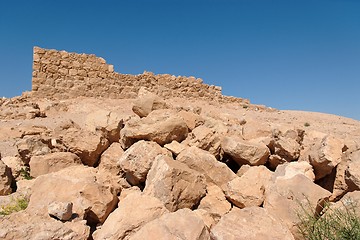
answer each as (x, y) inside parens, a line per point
(133, 212)
(52, 162)
(87, 145)
(24, 225)
(137, 160)
(245, 152)
(352, 173)
(191, 119)
(60, 210)
(109, 158)
(207, 138)
(274, 161)
(215, 203)
(160, 126)
(175, 147)
(6, 179)
(206, 217)
(284, 198)
(147, 102)
(349, 202)
(286, 148)
(250, 223)
(289, 170)
(248, 190)
(205, 163)
(31, 146)
(15, 164)
(92, 199)
(110, 122)
(255, 129)
(182, 224)
(174, 183)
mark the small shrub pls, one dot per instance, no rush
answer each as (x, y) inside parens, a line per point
(330, 224)
(25, 173)
(16, 205)
(307, 124)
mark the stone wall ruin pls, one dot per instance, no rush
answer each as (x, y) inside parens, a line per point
(64, 75)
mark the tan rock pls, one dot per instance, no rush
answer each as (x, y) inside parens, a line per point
(60, 210)
(137, 160)
(215, 203)
(31, 146)
(191, 119)
(87, 145)
(284, 197)
(250, 223)
(245, 152)
(175, 147)
(15, 164)
(174, 183)
(182, 224)
(274, 161)
(146, 102)
(289, 170)
(206, 217)
(286, 148)
(24, 225)
(6, 179)
(352, 174)
(52, 162)
(256, 129)
(109, 158)
(248, 190)
(133, 212)
(205, 163)
(92, 200)
(161, 126)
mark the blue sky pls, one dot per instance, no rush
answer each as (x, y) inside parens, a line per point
(286, 54)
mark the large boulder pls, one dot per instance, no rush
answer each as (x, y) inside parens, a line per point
(248, 190)
(182, 224)
(30, 146)
(284, 198)
(215, 202)
(52, 162)
(92, 199)
(161, 126)
(245, 152)
(6, 179)
(352, 172)
(87, 145)
(137, 160)
(174, 183)
(251, 223)
(205, 163)
(109, 158)
(147, 102)
(24, 225)
(133, 212)
(289, 170)
(191, 119)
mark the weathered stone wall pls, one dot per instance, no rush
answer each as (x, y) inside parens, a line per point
(62, 75)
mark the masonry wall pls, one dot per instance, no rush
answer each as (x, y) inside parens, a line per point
(63, 75)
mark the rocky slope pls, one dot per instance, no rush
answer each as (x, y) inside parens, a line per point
(146, 168)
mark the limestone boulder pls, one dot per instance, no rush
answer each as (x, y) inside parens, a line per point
(175, 147)
(30, 146)
(87, 145)
(349, 202)
(133, 212)
(284, 198)
(60, 210)
(160, 126)
(256, 129)
(109, 122)
(52, 162)
(249, 189)
(146, 102)
(245, 152)
(174, 183)
(289, 170)
(92, 199)
(204, 162)
(109, 158)
(352, 172)
(24, 225)
(15, 164)
(251, 223)
(191, 119)
(137, 160)
(215, 202)
(6, 179)
(182, 224)
(286, 148)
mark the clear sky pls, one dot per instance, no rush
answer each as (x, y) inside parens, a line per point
(286, 54)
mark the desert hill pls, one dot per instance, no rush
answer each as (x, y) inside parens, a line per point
(93, 154)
